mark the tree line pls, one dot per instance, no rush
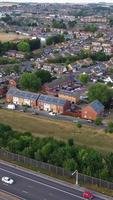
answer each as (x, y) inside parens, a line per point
(98, 56)
(59, 153)
(24, 45)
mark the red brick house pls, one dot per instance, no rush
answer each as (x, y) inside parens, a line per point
(48, 88)
(54, 104)
(93, 110)
(3, 91)
(12, 83)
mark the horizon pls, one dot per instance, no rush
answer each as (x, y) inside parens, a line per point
(58, 1)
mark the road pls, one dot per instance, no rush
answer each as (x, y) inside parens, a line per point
(6, 196)
(29, 186)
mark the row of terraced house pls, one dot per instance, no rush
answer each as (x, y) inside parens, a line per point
(37, 100)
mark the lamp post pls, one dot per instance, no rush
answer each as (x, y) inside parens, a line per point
(76, 172)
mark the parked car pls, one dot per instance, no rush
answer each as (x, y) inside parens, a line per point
(52, 113)
(88, 195)
(8, 180)
(75, 120)
(11, 106)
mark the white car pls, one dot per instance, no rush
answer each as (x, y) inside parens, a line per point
(8, 180)
(52, 113)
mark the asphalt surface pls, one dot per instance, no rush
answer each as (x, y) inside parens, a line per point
(7, 196)
(29, 186)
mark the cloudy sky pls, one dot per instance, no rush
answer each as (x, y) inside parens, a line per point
(60, 1)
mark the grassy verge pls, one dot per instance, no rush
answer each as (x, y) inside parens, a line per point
(62, 130)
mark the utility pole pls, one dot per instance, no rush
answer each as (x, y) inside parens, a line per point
(76, 172)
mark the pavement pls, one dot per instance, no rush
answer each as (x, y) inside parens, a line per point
(34, 186)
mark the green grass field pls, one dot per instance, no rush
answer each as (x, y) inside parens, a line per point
(39, 126)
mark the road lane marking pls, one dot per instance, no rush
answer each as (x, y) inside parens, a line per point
(25, 191)
(29, 186)
(5, 184)
(46, 185)
(14, 195)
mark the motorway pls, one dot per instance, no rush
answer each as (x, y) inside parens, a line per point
(7, 196)
(29, 186)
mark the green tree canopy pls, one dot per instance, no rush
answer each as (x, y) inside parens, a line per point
(44, 76)
(23, 46)
(29, 81)
(72, 24)
(92, 28)
(84, 78)
(58, 24)
(101, 92)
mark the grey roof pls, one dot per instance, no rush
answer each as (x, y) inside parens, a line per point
(33, 96)
(52, 100)
(59, 81)
(23, 94)
(69, 93)
(97, 106)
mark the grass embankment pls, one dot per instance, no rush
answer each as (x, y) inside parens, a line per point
(40, 126)
(11, 36)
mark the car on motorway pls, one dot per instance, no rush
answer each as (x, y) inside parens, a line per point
(88, 195)
(8, 180)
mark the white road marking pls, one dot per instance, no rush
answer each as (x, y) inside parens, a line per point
(46, 185)
(12, 194)
(25, 191)
(5, 184)
(29, 186)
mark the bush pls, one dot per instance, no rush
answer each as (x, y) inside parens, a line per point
(79, 125)
(98, 121)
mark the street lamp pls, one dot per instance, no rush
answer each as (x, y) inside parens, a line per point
(76, 172)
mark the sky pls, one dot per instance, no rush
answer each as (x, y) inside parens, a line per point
(59, 1)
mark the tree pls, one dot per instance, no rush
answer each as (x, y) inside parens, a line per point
(98, 121)
(58, 24)
(70, 142)
(23, 46)
(111, 22)
(101, 92)
(72, 24)
(55, 39)
(79, 125)
(110, 127)
(44, 76)
(100, 56)
(13, 145)
(109, 163)
(70, 165)
(84, 78)
(92, 28)
(29, 81)
(34, 44)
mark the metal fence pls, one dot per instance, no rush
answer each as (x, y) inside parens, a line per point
(58, 171)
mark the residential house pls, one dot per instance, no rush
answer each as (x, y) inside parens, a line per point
(12, 83)
(19, 97)
(16, 54)
(3, 91)
(54, 104)
(38, 101)
(84, 62)
(58, 83)
(93, 19)
(73, 97)
(93, 110)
